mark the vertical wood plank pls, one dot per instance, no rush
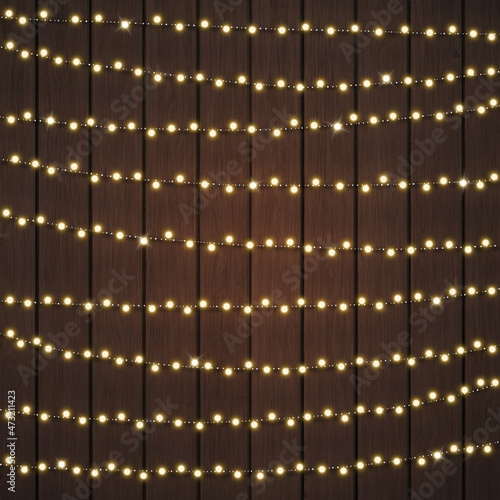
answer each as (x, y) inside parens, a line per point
(381, 223)
(278, 341)
(117, 97)
(18, 247)
(224, 274)
(63, 260)
(171, 268)
(481, 268)
(328, 221)
(437, 215)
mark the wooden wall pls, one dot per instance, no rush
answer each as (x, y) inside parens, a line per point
(38, 260)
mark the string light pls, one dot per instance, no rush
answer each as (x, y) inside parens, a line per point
(289, 243)
(152, 132)
(260, 474)
(218, 82)
(289, 421)
(471, 291)
(303, 27)
(321, 364)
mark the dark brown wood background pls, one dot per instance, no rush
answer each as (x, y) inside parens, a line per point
(36, 260)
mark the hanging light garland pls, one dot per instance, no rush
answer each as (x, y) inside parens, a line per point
(360, 361)
(261, 474)
(266, 304)
(252, 186)
(271, 418)
(252, 29)
(386, 79)
(213, 133)
(229, 242)
(314, 125)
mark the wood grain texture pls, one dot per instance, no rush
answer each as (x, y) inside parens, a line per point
(63, 260)
(481, 269)
(278, 340)
(171, 269)
(224, 274)
(382, 221)
(45, 261)
(435, 151)
(18, 250)
(329, 219)
(116, 97)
